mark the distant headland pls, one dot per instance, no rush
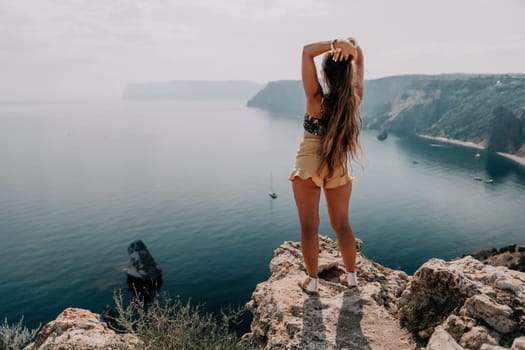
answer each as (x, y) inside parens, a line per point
(486, 110)
(191, 89)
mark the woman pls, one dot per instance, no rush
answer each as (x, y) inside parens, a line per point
(331, 139)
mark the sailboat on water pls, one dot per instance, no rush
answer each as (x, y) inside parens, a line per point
(272, 194)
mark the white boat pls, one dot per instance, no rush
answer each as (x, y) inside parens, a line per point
(489, 181)
(272, 194)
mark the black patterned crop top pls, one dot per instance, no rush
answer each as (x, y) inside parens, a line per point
(314, 125)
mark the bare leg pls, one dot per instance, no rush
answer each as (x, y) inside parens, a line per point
(307, 196)
(338, 202)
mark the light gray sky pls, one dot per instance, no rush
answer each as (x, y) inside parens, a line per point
(91, 48)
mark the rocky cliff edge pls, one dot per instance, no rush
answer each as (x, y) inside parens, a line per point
(460, 304)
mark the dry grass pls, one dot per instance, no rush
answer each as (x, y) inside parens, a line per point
(170, 324)
(15, 336)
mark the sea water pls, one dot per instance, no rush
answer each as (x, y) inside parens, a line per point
(80, 181)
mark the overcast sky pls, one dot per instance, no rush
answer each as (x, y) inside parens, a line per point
(92, 48)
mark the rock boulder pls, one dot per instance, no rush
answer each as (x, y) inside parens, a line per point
(81, 329)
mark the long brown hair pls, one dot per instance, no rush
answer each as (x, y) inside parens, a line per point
(341, 118)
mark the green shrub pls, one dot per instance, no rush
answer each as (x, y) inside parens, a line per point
(171, 324)
(510, 249)
(15, 336)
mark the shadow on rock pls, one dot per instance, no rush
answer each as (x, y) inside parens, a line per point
(314, 331)
(348, 332)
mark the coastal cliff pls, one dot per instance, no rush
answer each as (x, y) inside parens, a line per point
(458, 304)
(482, 109)
(284, 317)
(280, 97)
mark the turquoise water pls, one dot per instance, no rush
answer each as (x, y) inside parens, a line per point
(80, 181)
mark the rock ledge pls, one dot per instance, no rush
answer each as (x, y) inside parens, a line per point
(81, 329)
(460, 304)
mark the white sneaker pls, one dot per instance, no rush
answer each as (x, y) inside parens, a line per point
(310, 285)
(348, 279)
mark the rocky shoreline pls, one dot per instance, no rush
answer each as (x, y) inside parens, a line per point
(458, 304)
(513, 157)
(452, 141)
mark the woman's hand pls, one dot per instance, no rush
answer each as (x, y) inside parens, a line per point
(344, 49)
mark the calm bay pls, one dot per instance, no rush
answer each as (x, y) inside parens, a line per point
(80, 181)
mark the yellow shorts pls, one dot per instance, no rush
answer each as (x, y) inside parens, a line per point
(307, 162)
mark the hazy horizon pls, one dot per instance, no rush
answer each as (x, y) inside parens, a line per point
(84, 49)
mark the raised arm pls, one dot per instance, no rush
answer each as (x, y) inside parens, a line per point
(312, 89)
(359, 72)
(311, 86)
